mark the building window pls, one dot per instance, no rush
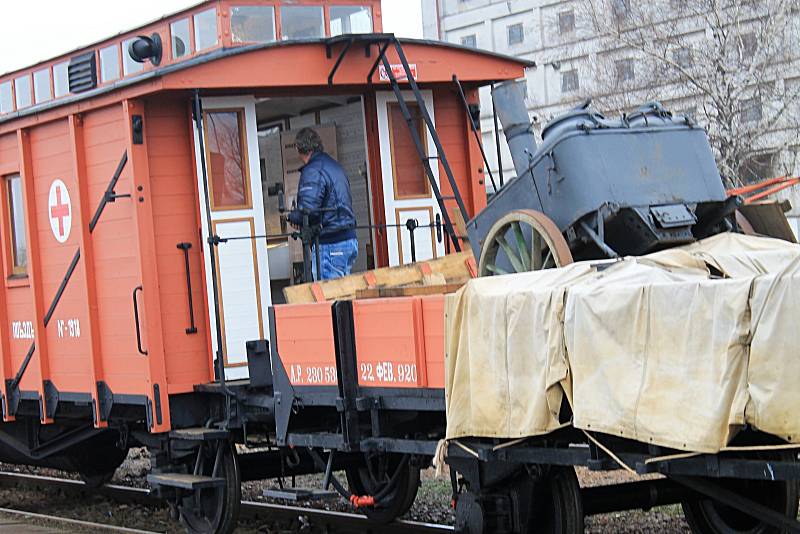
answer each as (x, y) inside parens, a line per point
(749, 45)
(350, 19)
(253, 24)
(470, 41)
(408, 173)
(41, 86)
(6, 98)
(569, 81)
(566, 22)
(61, 78)
(624, 70)
(302, 22)
(16, 217)
(751, 110)
(682, 57)
(129, 66)
(516, 34)
(205, 29)
(109, 63)
(621, 9)
(227, 159)
(22, 91)
(179, 31)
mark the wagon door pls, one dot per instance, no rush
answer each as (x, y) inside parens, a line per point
(406, 190)
(234, 198)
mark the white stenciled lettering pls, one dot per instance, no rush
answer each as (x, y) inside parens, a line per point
(22, 329)
(68, 328)
(312, 374)
(388, 372)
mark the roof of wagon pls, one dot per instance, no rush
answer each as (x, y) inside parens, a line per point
(301, 64)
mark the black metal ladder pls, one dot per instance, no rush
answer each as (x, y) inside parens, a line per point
(384, 41)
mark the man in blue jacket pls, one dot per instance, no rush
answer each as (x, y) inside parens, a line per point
(324, 193)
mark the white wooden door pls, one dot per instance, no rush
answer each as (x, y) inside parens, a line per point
(237, 211)
(407, 193)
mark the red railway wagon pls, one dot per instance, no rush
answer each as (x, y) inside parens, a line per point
(142, 241)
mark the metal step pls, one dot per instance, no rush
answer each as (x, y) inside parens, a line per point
(199, 434)
(300, 494)
(184, 481)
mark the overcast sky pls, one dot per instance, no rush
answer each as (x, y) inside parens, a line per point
(35, 30)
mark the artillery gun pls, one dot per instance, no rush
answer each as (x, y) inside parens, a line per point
(598, 188)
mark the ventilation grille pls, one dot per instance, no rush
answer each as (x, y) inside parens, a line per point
(82, 73)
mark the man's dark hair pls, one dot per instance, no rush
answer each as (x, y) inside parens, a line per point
(308, 141)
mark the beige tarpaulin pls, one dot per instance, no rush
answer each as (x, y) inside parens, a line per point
(505, 356)
(655, 348)
(774, 371)
(660, 359)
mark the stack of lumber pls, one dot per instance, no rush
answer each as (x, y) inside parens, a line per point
(440, 275)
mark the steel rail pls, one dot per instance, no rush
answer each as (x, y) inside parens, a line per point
(346, 521)
(74, 522)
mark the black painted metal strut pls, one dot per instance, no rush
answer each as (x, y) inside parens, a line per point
(383, 42)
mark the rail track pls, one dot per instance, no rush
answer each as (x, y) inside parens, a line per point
(324, 520)
(72, 523)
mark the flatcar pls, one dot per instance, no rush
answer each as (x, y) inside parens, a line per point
(145, 252)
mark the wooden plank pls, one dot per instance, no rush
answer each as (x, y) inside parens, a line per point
(39, 366)
(82, 214)
(450, 269)
(143, 222)
(768, 218)
(411, 291)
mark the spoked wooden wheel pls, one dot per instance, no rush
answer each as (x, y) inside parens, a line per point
(392, 479)
(214, 510)
(522, 241)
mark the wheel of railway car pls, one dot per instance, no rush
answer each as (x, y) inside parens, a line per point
(557, 505)
(214, 510)
(706, 516)
(392, 479)
(521, 241)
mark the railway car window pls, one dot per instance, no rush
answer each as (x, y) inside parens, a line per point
(227, 158)
(302, 22)
(109, 63)
(19, 245)
(61, 78)
(22, 90)
(350, 19)
(6, 98)
(253, 24)
(205, 29)
(181, 45)
(409, 176)
(129, 66)
(41, 86)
